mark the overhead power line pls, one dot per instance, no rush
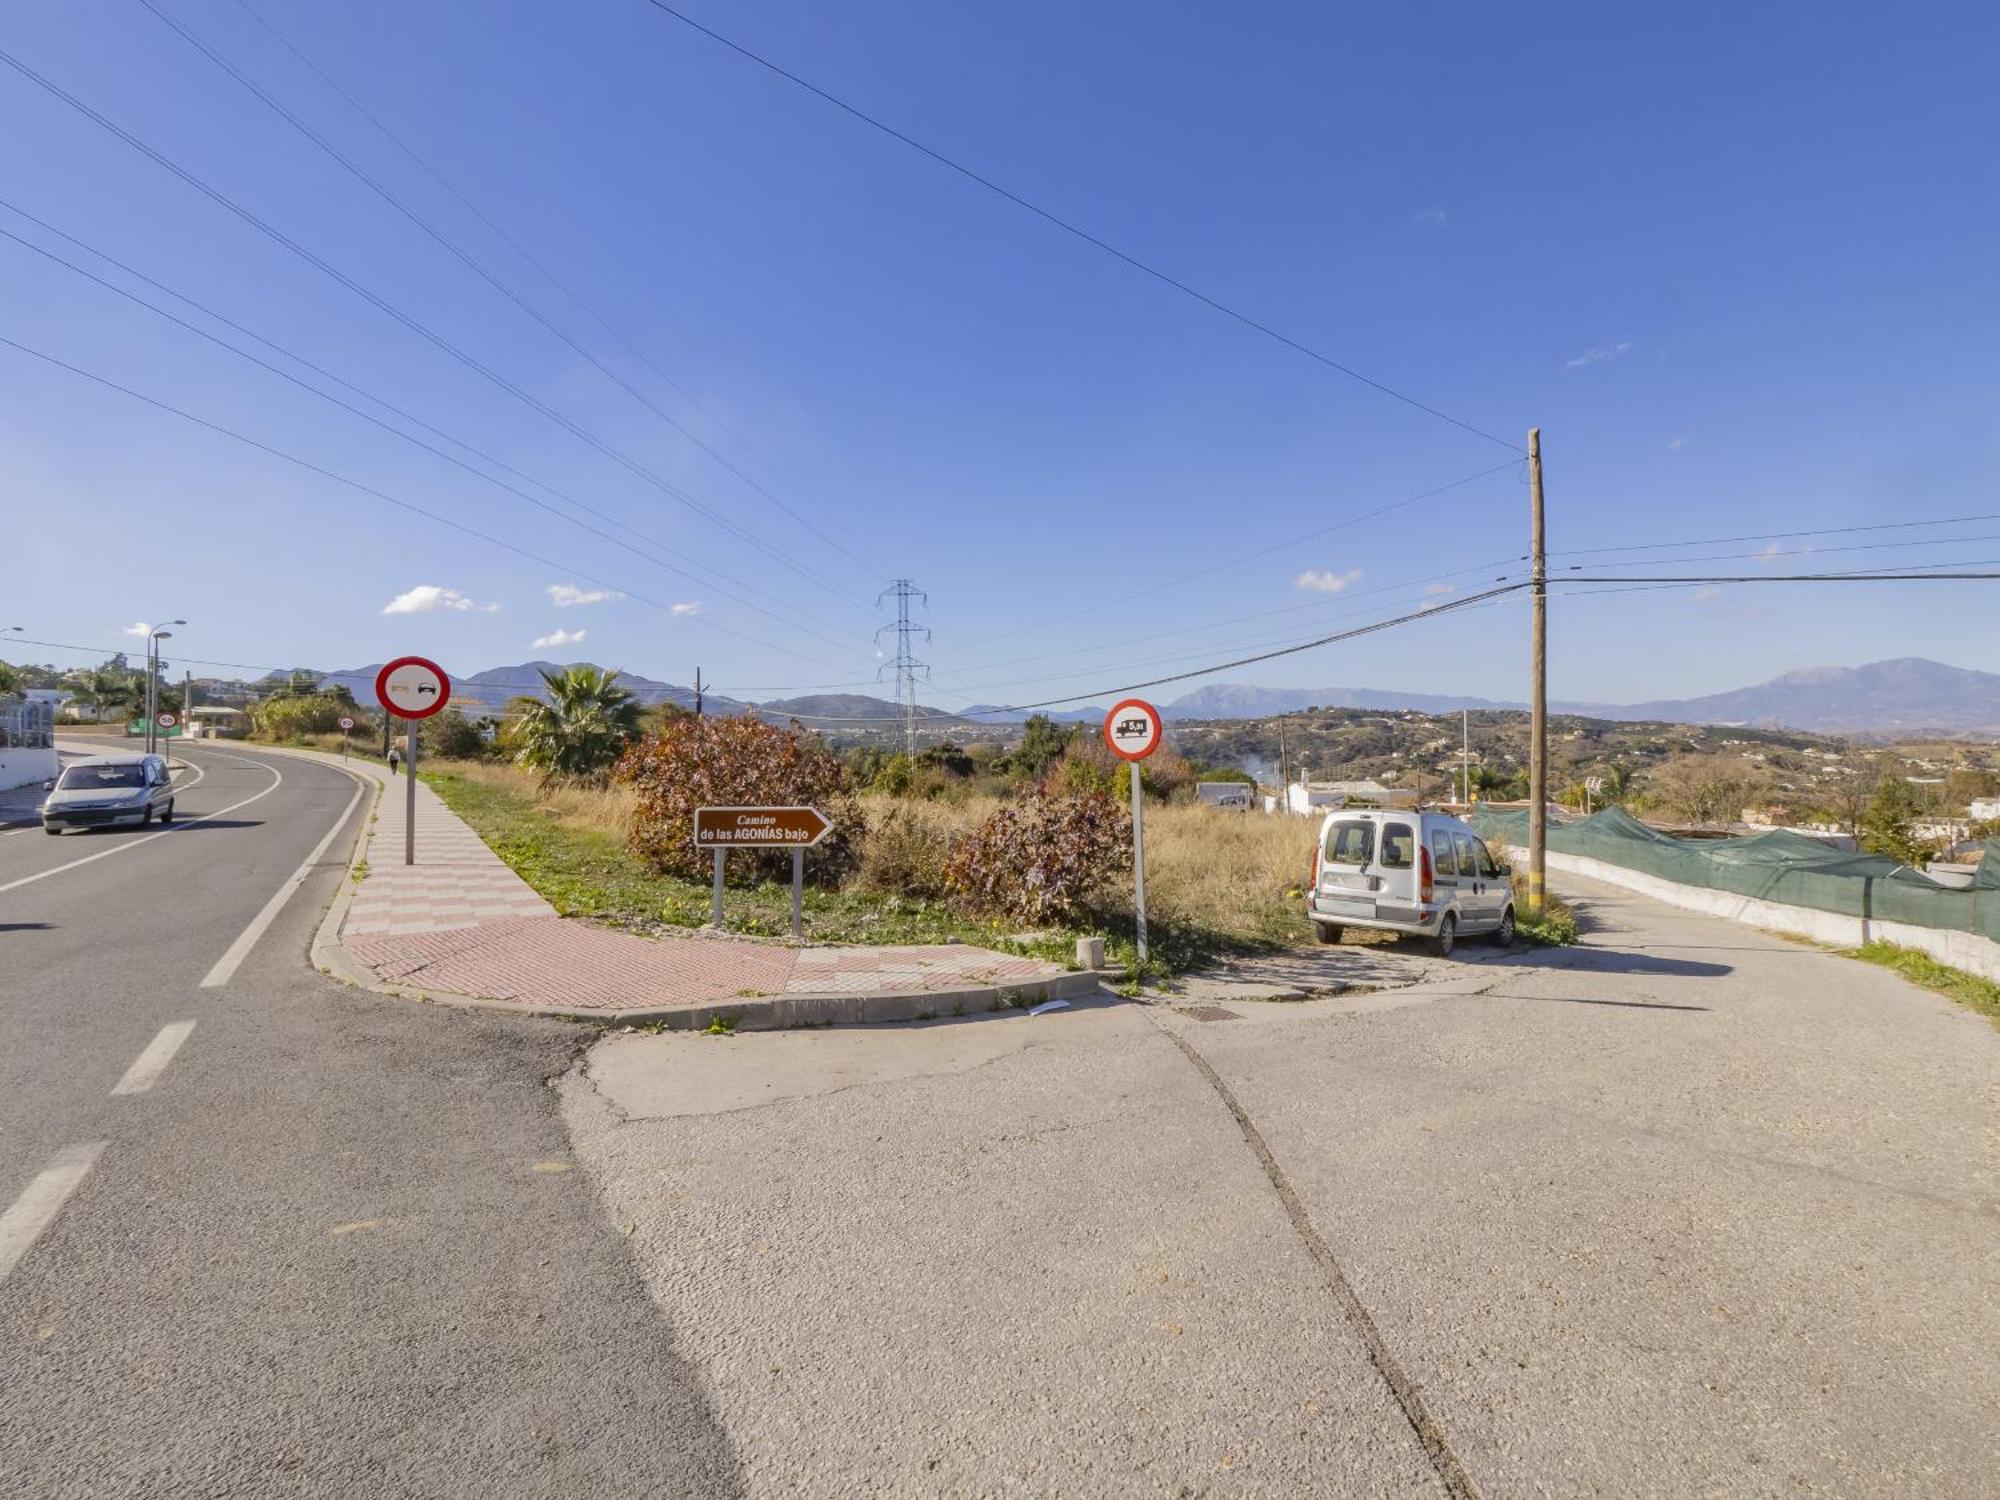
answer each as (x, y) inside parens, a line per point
(480, 270)
(1068, 227)
(709, 578)
(401, 504)
(1780, 536)
(542, 268)
(423, 331)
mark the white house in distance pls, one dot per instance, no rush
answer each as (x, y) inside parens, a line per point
(1983, 809)
(27, 741)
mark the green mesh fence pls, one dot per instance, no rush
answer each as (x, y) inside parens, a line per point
(1776, 866)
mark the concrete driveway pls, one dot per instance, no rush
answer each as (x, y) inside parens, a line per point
(1684, 1211)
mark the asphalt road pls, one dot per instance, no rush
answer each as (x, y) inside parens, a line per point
(319, 1242)
(1686, 1211)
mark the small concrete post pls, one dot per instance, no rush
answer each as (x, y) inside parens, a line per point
(715, 904)
(798, 892)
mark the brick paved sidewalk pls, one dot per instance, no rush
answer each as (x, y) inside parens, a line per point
(461, 922)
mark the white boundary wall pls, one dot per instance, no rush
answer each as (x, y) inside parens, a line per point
(1962, 950)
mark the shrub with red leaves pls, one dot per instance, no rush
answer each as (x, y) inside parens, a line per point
(737, 762)
(1039, 860)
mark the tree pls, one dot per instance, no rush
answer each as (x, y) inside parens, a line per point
(1844, 796)
(1888, 827)
(581, 731)
(451, 736)
(1707, 789)
(10, 680)
(111, 686)
(1042, 741)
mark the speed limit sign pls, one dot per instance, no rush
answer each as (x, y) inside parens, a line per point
(345, 723)
(166, 721)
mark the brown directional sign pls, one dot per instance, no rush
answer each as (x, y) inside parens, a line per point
(758, 827)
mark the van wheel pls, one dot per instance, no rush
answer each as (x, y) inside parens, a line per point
(1503, 935)
(1447, 936)
(52, 832)
(167, 812)
(146, 818)
(1326, 934)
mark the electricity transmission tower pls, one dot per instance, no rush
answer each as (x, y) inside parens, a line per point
(906, 665)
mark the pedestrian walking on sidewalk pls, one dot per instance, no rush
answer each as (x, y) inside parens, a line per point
(395, 759)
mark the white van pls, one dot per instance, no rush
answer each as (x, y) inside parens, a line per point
(1420, 873)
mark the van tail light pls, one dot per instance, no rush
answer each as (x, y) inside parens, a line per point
(1315, 874)
(1426, 876)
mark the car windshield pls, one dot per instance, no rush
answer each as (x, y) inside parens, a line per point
(100, 778)
(1350, 843)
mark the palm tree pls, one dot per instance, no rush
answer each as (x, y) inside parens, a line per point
(583, 728)
(108, 686)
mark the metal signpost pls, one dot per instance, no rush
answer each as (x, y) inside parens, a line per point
(346, 724)
(411, 688)
(1133, 729)
(796, 828)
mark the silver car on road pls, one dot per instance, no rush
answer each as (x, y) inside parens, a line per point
(104, 790)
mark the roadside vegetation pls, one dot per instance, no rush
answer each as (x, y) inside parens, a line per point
(1024, 850)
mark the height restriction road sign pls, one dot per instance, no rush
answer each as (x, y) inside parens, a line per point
(411, 687)
(759, 827)
(1133, 729)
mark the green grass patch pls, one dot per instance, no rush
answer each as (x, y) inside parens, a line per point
(1970, 990)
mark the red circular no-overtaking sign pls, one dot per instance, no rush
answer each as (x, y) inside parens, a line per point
(412, 687)
(1133, 729)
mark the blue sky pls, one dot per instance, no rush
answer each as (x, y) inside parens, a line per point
(1736, 263)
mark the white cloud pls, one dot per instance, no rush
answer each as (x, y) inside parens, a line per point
(1700, 596)
(1436, 593)
(1769, 549)
(1674, 445)
(138, 628)
(429, 598)
(1326, 581)
(1601, 353)
(687, 609)
(563, 595)
(1431, 218)
(559, 638)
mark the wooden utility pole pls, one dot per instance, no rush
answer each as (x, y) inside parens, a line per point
(697, 692)
(1538, 729)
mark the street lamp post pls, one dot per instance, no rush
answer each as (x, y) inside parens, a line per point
(153, 683)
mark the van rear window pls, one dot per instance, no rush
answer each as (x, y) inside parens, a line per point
(1398, 844)
(1350, 843)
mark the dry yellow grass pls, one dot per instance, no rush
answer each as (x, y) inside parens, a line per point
(602, 809)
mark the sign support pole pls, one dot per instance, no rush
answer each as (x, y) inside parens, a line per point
(715, 903)
(410, 794)
(798, 892)
(1139, 855)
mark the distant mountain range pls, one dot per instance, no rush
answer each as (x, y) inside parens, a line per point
(1906, 696)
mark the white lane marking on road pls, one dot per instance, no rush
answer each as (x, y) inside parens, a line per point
(277, 780)
(179, 787)
(247, 939)
(42, 1200)
(149, 1065)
